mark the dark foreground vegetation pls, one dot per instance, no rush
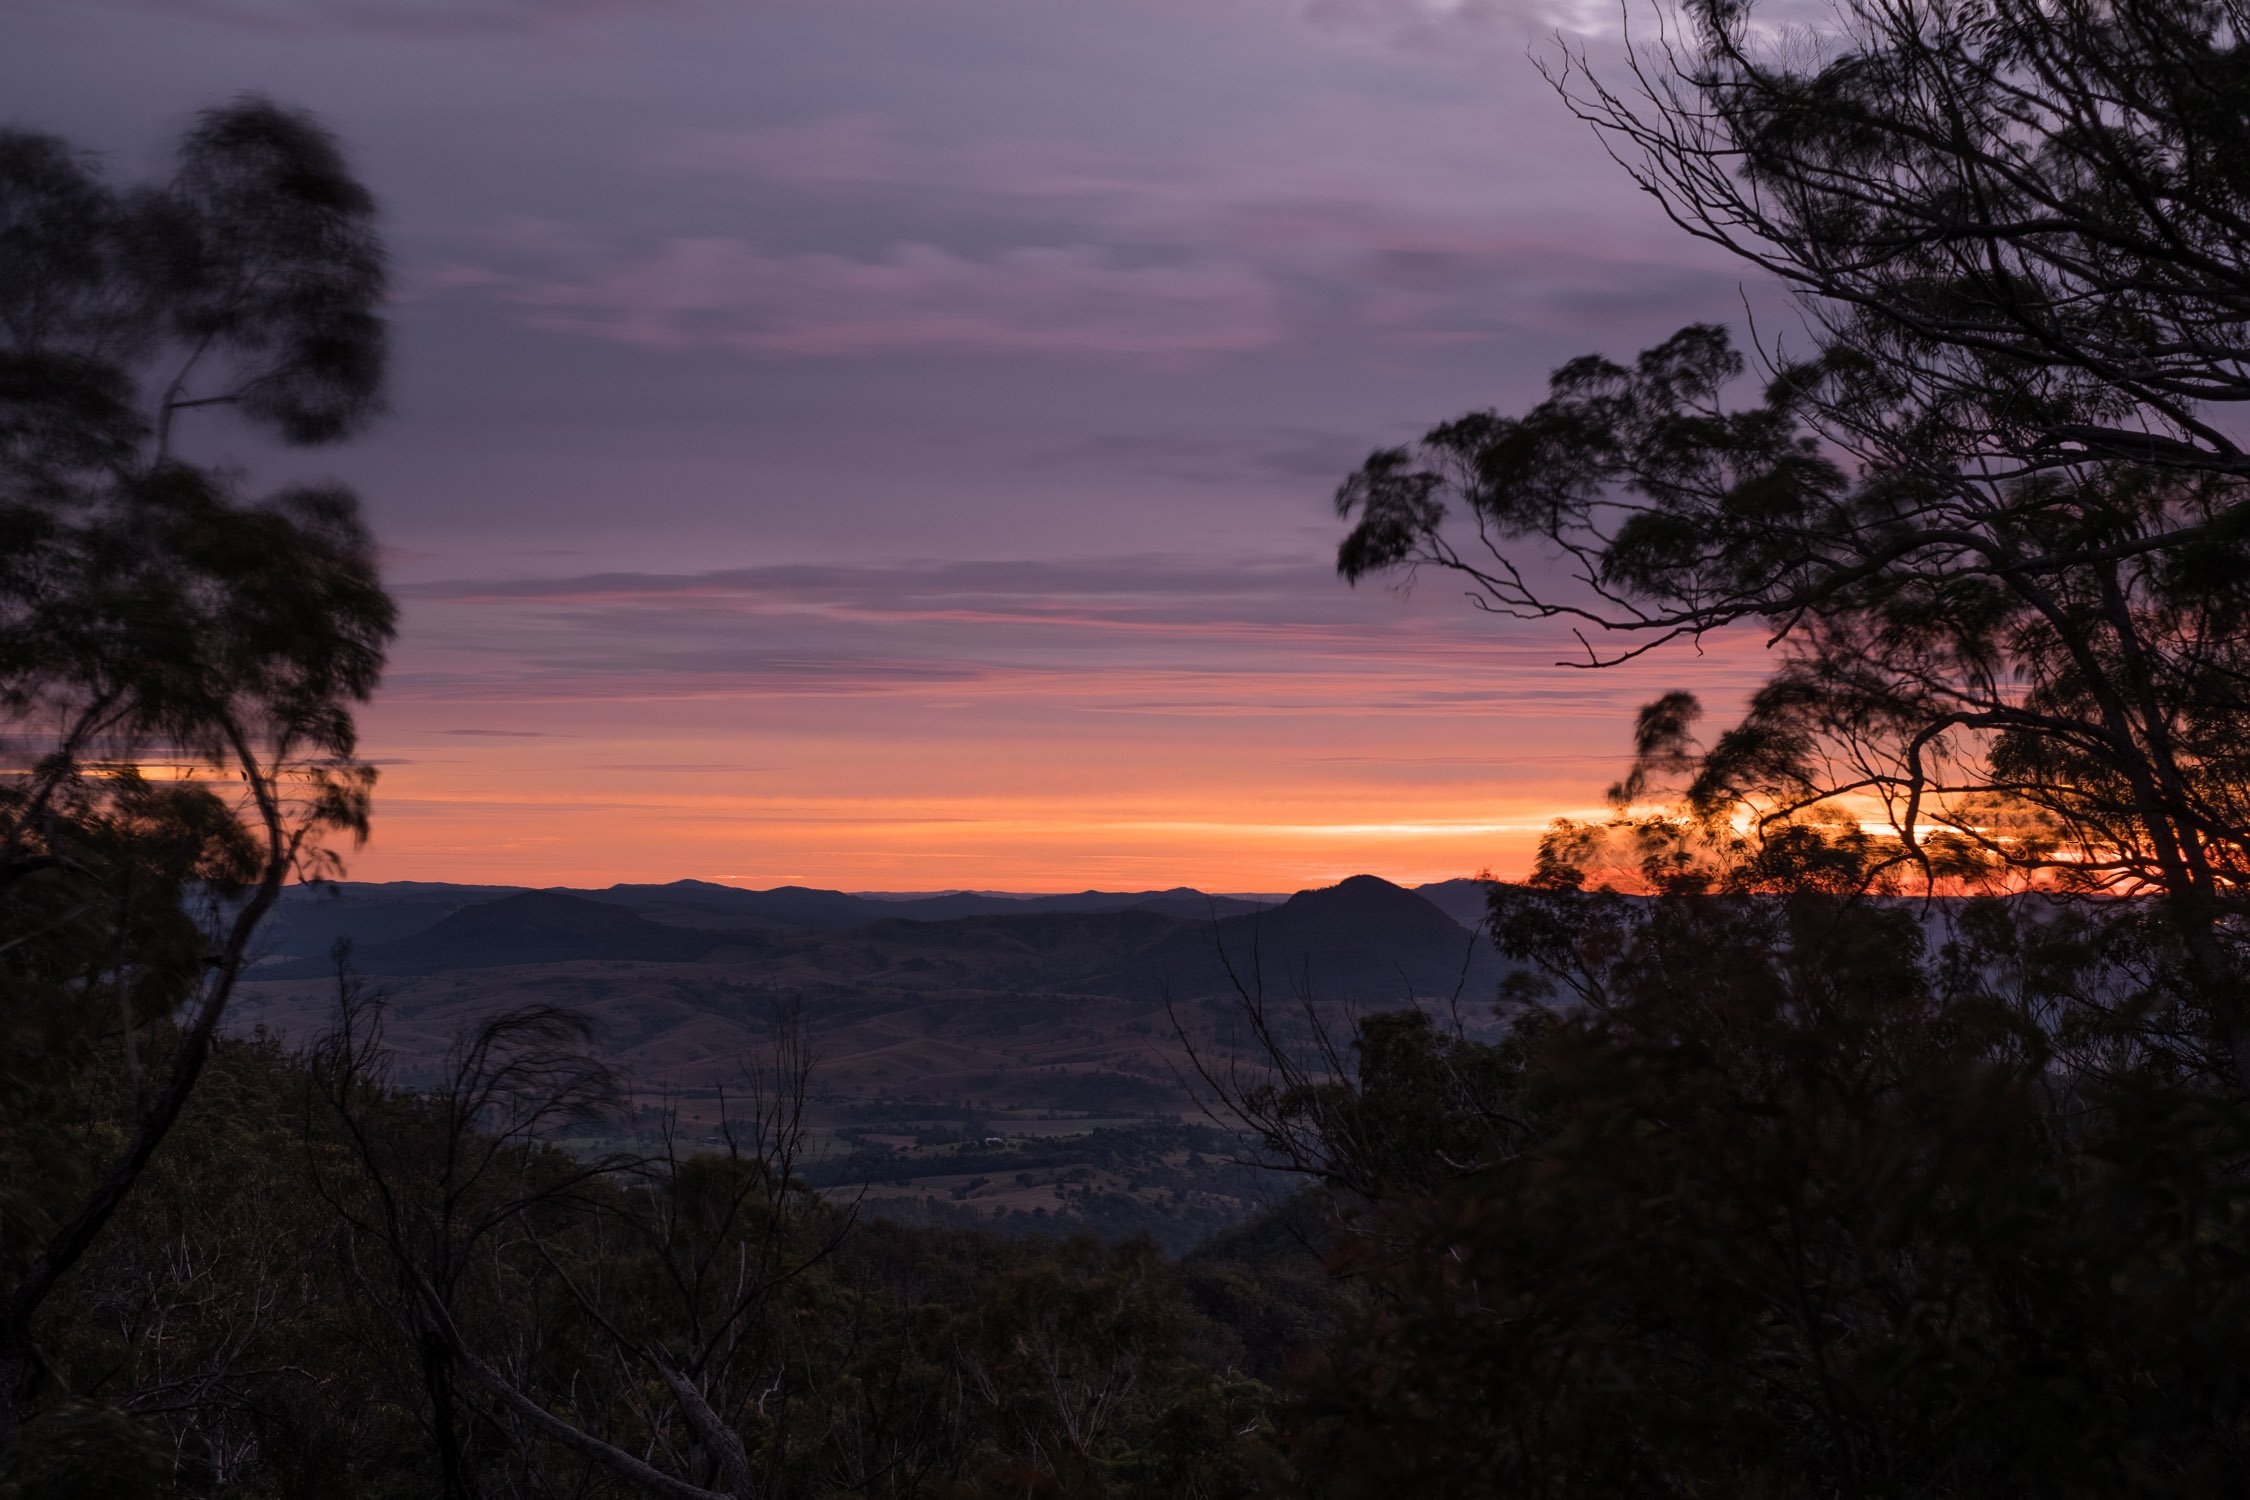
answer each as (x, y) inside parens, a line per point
(327, 1289)
(1872, 1116)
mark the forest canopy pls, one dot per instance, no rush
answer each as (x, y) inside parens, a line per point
(1991, 520)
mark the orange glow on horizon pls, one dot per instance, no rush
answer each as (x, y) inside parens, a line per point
(864, 812)
(1047, 856)
(550, 829)
(1239, 727)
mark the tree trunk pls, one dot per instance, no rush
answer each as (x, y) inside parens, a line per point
(437, 1374)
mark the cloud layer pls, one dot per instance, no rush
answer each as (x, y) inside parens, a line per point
(890, 443)
(718, 292)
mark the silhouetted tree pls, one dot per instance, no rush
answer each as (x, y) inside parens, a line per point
(2024, 216)
(1989, 520)
(178, 665)
(672, 1269)
(1783, 1182)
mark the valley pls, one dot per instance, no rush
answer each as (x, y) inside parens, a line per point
(1040, 1064)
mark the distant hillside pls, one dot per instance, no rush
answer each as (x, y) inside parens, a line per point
(1180, 901)
(1027, 953)
(704, 903)
(531, 927)
(1364, 940)
(1088, 1011)
(309, 919)
(1465, 901)
(700, 903)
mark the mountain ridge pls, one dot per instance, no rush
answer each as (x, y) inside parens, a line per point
(525, 927)
(310, 919)
(1364, 938)
(1104, 1011)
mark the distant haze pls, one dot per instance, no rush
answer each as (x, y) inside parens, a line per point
(1087, 1001)
(889, 445)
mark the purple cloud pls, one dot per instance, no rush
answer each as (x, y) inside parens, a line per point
(1097, 300)
(718, 292)
(400, 18)
(1156, 636)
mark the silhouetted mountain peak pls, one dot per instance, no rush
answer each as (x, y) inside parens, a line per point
(1362, 939)
(1360, 887)
(1362, 899)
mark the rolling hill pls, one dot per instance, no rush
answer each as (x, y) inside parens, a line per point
(529, 927)
(1050, 1007)
(1363, 940)
(310, 919)
(1079, 1018)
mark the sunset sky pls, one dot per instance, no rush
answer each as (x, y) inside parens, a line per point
(888, 444)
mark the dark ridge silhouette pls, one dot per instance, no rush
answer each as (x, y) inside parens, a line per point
(704, 903)
(1465, 901)
(1064, 951)
(700, 903)
(1363, 940)
(1179, 901)
(308, 921)
(531, 927)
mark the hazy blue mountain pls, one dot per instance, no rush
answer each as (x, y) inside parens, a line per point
(1364, 940)
(1462, 900)
(309, 919)
(529, 927)
(704, 903)
(1180, 901)
(1100, 1011)
(700, 903)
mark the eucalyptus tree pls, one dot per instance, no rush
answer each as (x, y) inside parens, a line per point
(660, 1291)
(179, 663)
(1992, 519)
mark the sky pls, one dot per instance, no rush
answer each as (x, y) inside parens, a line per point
(889, 444)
